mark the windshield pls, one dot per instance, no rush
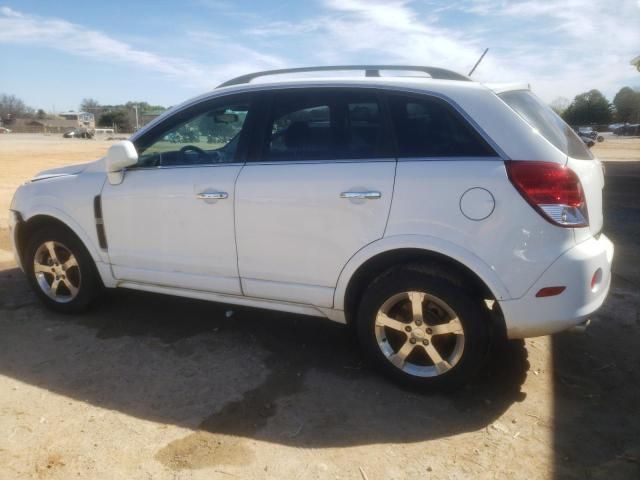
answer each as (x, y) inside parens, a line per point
(541, 117)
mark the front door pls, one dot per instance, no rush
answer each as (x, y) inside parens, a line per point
(318, 191)
(171, 221)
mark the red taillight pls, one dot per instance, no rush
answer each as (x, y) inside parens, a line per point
(552, 189)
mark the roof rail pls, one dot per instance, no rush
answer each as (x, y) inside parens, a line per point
(370, 71)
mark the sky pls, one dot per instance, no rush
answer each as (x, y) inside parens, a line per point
(54, 54)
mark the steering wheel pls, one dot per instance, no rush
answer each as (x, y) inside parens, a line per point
(193, 148)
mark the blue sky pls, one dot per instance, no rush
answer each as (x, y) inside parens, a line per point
(55, 53)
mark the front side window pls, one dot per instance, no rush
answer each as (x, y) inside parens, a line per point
(428, 127)
(206, 138)
(323, 126)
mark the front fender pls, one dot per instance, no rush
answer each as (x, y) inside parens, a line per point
(60, 215)
(68, 199)
(423, 242)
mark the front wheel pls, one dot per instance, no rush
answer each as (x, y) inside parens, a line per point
(60, 270)
(422, 328)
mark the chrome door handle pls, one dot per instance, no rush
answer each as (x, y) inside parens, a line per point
(361, 195)
(212, 195)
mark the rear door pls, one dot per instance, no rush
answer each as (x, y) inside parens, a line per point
(318, 189)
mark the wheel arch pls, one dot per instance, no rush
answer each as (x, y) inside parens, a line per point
(26, 228)
(387, 253)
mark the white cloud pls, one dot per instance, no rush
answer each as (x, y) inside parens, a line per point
(561, 47)
(23, 29)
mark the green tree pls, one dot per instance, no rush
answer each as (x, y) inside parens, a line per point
(89, 105)
(588, 108)
(11, 107)
(627, 103)
(118, 118)
(41, 114)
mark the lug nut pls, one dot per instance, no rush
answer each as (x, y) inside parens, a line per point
(418, 322)
(407, 329)
(425, 342)
(412, 340)
(429, 331)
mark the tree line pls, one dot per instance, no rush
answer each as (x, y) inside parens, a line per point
(593, 108)
(121, 116)
(588, 108)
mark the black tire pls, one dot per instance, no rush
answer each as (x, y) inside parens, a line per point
(468, 306)
(88, 282)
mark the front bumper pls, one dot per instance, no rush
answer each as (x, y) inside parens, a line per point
(530, 316)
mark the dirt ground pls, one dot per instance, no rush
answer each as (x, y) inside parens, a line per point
(146, 386)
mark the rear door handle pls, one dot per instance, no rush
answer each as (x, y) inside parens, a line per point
(212, 195)
(361, 195)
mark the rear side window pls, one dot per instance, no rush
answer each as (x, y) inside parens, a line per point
(541, 117)
(324, 125)
(428, 127)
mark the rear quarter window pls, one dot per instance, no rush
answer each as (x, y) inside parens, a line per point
(541, 117)
(429, 127)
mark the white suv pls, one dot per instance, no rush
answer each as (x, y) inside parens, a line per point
(434, 214)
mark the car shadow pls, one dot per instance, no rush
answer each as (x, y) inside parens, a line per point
(597, 374)
(248, 373)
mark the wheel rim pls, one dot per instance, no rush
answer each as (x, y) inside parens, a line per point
(419, 334)
(57, 272)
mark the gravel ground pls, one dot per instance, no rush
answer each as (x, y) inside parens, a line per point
(146, 386)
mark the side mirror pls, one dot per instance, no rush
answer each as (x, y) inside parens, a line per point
(120, 156)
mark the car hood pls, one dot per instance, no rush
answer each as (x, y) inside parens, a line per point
(61, 171)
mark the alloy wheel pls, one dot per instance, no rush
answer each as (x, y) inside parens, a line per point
(420, 334)
(57, 271)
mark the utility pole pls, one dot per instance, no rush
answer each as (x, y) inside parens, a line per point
(135, 107)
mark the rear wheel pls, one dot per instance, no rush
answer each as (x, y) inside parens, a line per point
(422, 328)
(60, 270)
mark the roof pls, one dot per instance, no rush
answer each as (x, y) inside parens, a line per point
(507, 87)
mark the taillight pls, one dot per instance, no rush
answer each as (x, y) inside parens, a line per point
(553, 190)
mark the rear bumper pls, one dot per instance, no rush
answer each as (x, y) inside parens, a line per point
(530, 316)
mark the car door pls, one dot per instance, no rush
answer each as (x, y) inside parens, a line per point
(171, 221)
(317, 190)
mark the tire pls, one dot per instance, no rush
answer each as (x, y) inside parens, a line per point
(410, 312)
(72, 268)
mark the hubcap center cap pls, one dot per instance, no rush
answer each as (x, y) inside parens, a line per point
(418, 333)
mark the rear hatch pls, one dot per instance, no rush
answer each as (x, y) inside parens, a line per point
(579, 158)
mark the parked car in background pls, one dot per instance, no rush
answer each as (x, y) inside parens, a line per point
(588, 141)
(79, 133)
(628, 129)
(590, 133)
(435, 215)
(4, 130)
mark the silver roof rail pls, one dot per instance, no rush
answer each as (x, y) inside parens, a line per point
(370, 71)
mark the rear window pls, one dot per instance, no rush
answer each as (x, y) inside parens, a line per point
(541, 117)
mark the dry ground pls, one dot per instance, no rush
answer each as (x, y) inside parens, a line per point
(146, 386)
